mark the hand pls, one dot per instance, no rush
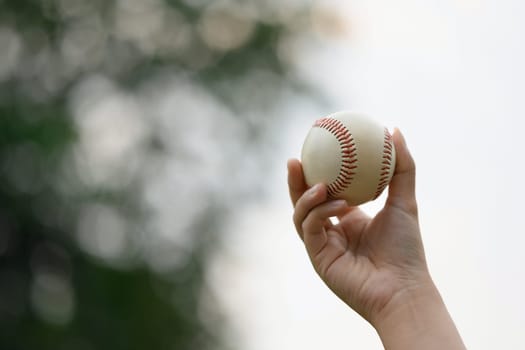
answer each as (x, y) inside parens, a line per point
(375, 265)
(365, 261)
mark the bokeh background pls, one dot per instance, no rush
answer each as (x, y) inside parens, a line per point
(143, 143)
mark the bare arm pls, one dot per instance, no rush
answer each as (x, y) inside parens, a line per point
(418, 320)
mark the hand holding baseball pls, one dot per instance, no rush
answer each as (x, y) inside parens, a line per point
(376, 265)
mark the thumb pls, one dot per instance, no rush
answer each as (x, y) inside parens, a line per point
(402, 188)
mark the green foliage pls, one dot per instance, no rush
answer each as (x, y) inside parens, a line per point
(55, 294)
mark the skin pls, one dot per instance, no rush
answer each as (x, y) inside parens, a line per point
(376, 265)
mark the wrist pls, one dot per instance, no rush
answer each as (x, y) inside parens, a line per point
(417, 318)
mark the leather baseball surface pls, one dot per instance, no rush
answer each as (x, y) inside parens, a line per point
(352, 154)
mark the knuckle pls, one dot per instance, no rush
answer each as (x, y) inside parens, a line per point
(294, 217)
(307, 222)
(296, 221)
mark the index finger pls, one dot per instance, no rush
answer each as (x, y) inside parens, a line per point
(296, 184)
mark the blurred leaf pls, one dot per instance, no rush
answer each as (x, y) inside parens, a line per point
(67, 76)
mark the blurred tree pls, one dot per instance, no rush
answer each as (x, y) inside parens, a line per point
(108, 206)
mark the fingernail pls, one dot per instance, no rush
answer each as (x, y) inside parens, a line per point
(401, 136)
(338, 203)
(314, 189)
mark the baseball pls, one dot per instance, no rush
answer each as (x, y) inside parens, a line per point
(351, 154)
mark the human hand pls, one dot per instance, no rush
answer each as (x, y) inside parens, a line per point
(375, 265)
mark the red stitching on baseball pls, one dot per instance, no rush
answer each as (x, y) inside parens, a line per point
(348, 154)
(388, 146)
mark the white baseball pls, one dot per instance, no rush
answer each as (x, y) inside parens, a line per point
(350, 153)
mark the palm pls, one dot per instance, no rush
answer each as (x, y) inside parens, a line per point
(366, 261)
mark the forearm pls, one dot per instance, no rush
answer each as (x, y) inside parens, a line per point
(418, 321)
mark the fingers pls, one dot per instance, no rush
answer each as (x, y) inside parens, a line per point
(314, 225)
(296, 184)
(353, 220)
(402, 187)
(309, 199)
(298, 189)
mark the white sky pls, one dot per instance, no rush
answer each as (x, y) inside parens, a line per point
(450, 74)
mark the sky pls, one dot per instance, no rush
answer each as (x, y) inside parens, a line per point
(450, 75)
